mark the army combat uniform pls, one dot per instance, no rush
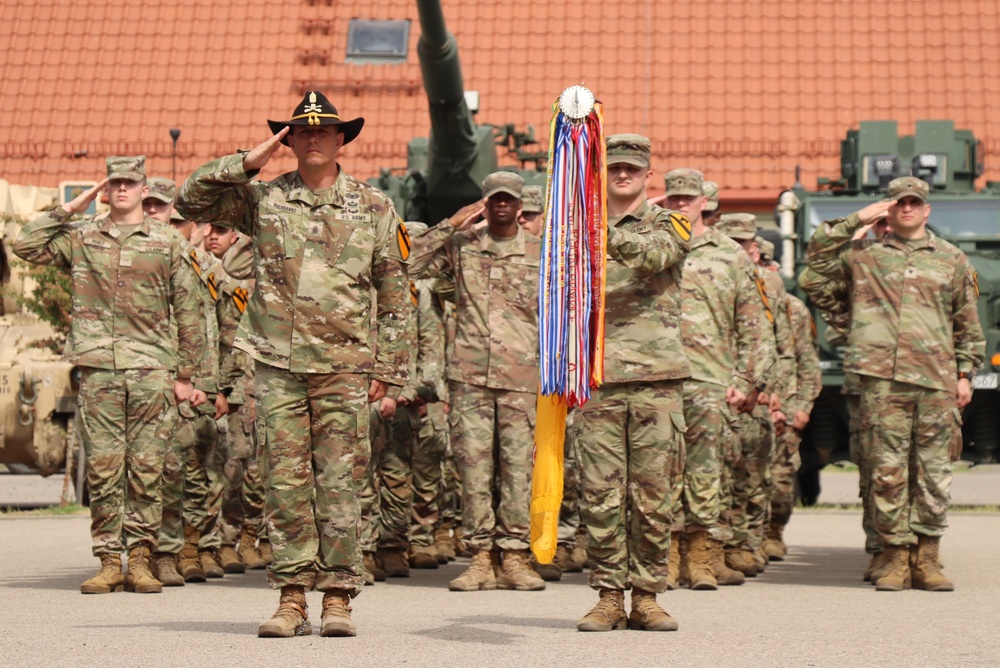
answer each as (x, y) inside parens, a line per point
(307, 327)
(914, 329)
(722, 329)
(125, 280)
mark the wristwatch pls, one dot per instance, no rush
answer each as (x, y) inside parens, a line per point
(966, 375)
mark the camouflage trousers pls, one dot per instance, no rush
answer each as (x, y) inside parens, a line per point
(746, 515)
(569, 511)
(481, 417)
(428, 475)
(908, 432)
(204, 478)
(862, 458)
(126, 418)
(243, 489)
(369, 505)
(630, 438)
(786, 464)
(708, 438)
(394, 469)
(451, 495)
(316, 444)
(185, 488)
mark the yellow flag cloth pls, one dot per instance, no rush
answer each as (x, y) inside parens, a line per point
(547, 476)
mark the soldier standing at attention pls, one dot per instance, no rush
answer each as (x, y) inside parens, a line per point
(713, 212)
(630, 435)
(531, 217)
(322, 241)
(721, 330)
(127, 274)
(493, 374)
(915, 341)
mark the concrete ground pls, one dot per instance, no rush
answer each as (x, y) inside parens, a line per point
(810, 610)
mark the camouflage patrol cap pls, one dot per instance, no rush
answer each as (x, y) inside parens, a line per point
(162, 189)
(738, 226)
(503, 182)
(630, 149)
(684, 182)
(766, 248)
(907, 186)
(176, 217)
(710, 189)
(131, 167)
(531, 199)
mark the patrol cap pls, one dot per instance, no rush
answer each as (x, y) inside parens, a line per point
(908, 186)
(630, 149)
(531, 199)
(710, 189)
(176, 217)
(503, 182)
(738, 226)
(162, 189)
(766, 248)
(684, 182)
(131, 167)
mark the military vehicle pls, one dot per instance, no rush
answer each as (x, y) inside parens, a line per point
(950, 161)
(444, 172)
(38, 389)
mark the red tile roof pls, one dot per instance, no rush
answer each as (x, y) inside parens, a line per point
(743, 89)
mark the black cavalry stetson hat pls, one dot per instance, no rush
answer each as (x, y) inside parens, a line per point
(315, 109)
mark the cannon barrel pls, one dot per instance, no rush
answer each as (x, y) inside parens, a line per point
(460, 153)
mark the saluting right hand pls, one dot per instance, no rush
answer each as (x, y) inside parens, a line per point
(80, 203)
(261, 153)
(468, 214)
(875, 211)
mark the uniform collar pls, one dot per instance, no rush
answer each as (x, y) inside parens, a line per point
(711, 236)
(930, 242)
(638, 213)
(107, 226)
(334, 195)
(514, 247)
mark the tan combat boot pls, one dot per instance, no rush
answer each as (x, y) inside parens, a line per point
(188, 564)
(565, 561)
(741, 560)
(248, 549)
(479, 576)
(875, 565)
(460, 548)
(230, 560)
(444, 545)
(699, 563)
(139, 578)
(723, 574)
(108, 579)
(210, 564)
(337, 622)
(164, 567)
(423, 557)
(897, 575)
(647, 615)
(759, 559)
(393, 562)
(607, 615)
(548, 572)
(674, 564)
(927, 575)
(371, 565)
(516, 573)
(578, 555)
(291, 618)
(774, 543)
(683, 547)
(264, 547)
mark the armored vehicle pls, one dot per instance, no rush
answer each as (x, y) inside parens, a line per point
(444, 171)
(950, 161)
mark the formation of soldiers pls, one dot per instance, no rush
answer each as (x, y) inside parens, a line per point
(284, 374)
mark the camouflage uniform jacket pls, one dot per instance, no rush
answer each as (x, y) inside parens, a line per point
(808, 377)
(782, 379)
(914, 316)
(233, 296)
(642, 341)
(427, 378)
(496, 303)
(206, 376)
(317, 256)
(124, 286)
(723, 315)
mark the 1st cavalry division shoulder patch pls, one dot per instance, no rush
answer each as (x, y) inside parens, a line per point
(681, 225)
(403, 239)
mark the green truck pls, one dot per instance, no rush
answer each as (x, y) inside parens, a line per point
(950, 161)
